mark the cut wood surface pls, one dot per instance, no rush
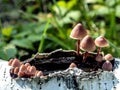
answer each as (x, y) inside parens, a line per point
(69, 79)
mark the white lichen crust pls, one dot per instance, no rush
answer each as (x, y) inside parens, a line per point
(70, 79)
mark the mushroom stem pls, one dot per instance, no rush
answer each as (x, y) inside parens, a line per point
(85, 56)
(98, 51)
(78, 45)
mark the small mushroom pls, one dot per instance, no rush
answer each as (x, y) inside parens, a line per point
(15, 63)
(99, 58)
(20, 74)
(28, 68)
(32, 70)
(23, 68)
(72, 65)
(108, 57)
(107, 66)
(10, 62)
(36, 72)
(87, 44)
(101, 42)
(16, 70)
(27, 71)
(39, 73)
(27, 64)
(78, 33)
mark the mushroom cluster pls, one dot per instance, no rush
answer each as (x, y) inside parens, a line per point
(88, 44)
(85, 43)
(18, 69)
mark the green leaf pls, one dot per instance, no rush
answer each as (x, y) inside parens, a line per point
(3, 55)
(94, 1)
(10, 51)
(118, 11)
(22, 34)
(34, 38)
(23, 43)
(72, 15)
(40, 27)
(101, 10)
(60, 8)
(7, 31)
(58, 41)
(71, 4)
(2, 43)
(110, 3)
(69, 18)
(61, 3)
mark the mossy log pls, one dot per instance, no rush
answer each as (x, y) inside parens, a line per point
(60, 77)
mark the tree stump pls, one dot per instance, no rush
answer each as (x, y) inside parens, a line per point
(57, 75)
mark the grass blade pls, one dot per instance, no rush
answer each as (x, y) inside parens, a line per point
(40, 48)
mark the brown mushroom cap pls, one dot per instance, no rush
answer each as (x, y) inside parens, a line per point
(108, 57)
(39, 73)
(32, 70)
(16, 70)
(78, 32)
(23, 68)
(20, 74)
(28, 68)
(99, 58)
(101, 42)
(10, 62)
(27, 64)
(72, 65)
(87, 44)
(15, 63)
(107, 66)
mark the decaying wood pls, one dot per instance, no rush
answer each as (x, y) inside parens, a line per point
(65, 78)
(61, 59)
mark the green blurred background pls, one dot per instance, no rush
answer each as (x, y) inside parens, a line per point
(31, 26)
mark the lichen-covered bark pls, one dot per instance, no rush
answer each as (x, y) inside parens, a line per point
(70, 79)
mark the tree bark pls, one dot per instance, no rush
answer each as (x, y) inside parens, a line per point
(69, 79)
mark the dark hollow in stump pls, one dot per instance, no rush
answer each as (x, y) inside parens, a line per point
(61, 59)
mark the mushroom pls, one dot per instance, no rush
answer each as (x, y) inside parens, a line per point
(10, 62)
(99, 58)
(23, 68)
(101, 42)
(107, 66)
(16, 70)
(78, 33)
(32, 70)
(27, 64)
(28, 68)
(27, 72)
(15, 63)
(87, 44)
(108, 57)
(72, 65)
(20, 74)
(39, 73)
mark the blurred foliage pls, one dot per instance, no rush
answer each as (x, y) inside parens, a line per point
(31, 26)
